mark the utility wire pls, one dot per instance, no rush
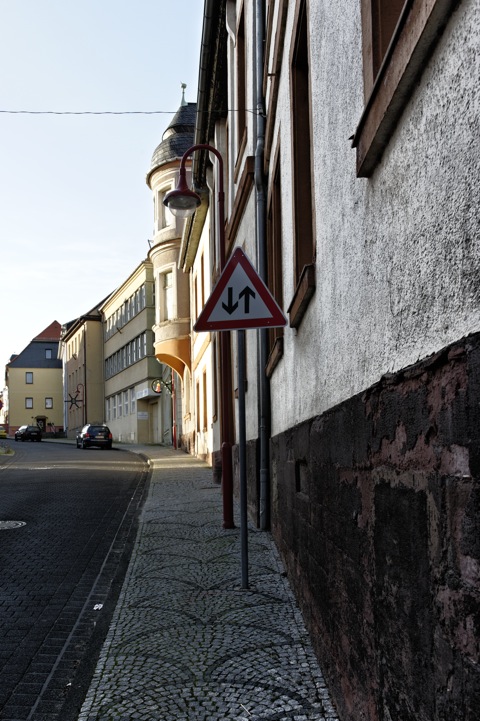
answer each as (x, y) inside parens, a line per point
(105, 112)
(88, 112)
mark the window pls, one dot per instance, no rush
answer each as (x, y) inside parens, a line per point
(114, 407)
(198, 406)
(204, 389)
(167, 295)
(304, 239)
(398, 37)
(125, 403)
(202, 281)
(163, 214)
(132, 400)
(48, 402)
(119, 405)
(216, 365)
(48, 353)
(241, 104)
(28, 402)
(195, 297)
(274, 261)
(29, 377)
(107, 409)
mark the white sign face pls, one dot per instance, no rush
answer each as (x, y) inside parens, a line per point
(142, 416)
(240, 300)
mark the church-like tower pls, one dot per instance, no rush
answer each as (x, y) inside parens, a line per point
(172, 296)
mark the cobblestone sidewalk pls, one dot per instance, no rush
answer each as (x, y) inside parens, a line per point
(186, 643)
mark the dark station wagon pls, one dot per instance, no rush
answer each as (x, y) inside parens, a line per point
(28, 433)
(94, 435)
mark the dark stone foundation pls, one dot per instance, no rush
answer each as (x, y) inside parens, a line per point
(376, 512)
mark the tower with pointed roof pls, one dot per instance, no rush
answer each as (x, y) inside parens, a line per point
(172, 294)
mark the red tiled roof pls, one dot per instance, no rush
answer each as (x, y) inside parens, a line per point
(51, 333)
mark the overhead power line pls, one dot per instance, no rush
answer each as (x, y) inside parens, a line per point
(88, 112)
(105, 112)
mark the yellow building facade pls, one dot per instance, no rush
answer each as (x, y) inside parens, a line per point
(34, 383)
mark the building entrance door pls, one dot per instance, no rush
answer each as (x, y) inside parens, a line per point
(154, 429)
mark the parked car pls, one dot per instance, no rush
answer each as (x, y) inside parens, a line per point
(28, 433)
(3, 432)
(94, 435)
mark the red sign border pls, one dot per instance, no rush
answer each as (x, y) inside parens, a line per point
(277, 319)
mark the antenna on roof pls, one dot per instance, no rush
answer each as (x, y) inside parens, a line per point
(184, 102)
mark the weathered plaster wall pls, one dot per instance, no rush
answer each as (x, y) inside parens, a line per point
(397, 255)
(376, 511)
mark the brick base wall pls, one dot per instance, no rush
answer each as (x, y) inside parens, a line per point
(376, 512)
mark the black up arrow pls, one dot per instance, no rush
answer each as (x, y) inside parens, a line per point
(247, 293)
(230, 306)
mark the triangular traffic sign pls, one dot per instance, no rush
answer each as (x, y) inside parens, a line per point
(239, 300)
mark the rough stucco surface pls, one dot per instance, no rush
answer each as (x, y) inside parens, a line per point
(376, 509)
(397, 255)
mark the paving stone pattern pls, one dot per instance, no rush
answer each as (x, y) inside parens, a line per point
(186, 641)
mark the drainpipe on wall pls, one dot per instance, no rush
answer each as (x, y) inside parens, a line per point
(85, 375)
(260, 213)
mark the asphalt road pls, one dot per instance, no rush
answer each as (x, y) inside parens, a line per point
(61, 569)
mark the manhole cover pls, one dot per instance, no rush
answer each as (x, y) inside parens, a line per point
(5, 525)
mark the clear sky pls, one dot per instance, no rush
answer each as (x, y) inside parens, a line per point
(75, 211)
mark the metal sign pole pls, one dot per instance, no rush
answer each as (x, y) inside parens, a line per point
(242, 455)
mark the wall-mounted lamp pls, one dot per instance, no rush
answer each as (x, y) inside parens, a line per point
(158, 384)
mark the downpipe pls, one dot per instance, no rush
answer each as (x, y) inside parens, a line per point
(260, 212)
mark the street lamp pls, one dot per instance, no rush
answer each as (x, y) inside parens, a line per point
(183, 202)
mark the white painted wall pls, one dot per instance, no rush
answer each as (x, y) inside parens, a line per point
(398, 262)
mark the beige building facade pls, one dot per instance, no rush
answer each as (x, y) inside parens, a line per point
(81, 350)
(137, 408)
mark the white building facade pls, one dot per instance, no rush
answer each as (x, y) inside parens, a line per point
(349, 133)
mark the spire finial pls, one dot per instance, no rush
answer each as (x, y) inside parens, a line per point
(183, 86)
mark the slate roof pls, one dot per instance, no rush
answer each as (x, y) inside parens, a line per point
(177, 138)
(33, 356)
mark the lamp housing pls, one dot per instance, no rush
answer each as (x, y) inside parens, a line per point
(182, 202)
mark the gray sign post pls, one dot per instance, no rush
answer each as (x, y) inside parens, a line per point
(240, 300)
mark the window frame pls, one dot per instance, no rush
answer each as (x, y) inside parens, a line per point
(418, 29)
(241, 88)
(29, 378)
(274, 260)
(303, 181)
